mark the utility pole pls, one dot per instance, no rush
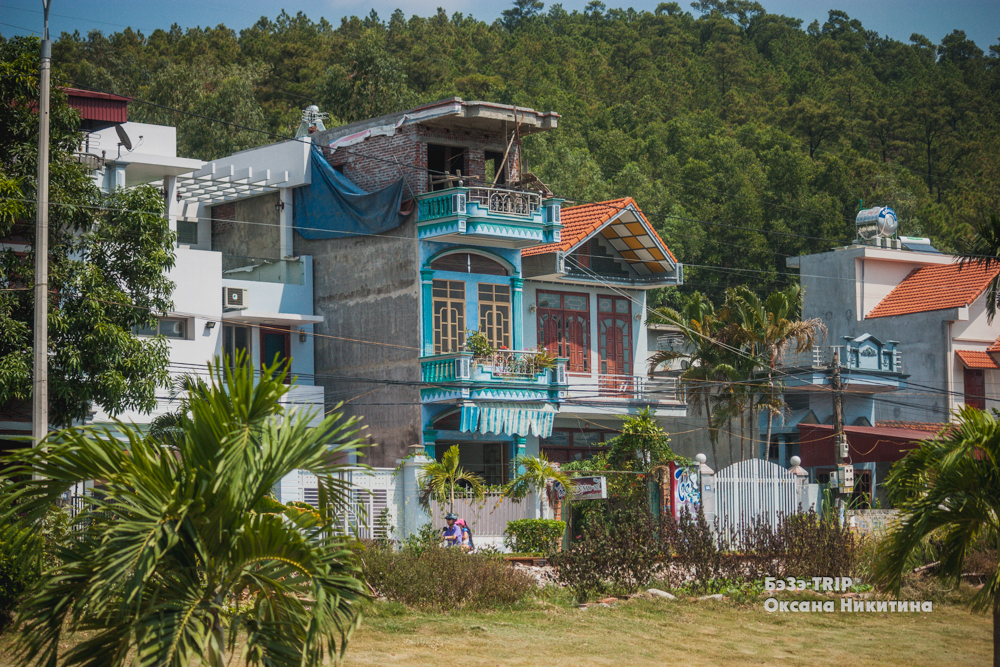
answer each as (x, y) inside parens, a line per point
(40, 391)
(838, 410)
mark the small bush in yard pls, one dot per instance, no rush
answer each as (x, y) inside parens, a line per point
(444, 579)
(619, 556)
(534, 535)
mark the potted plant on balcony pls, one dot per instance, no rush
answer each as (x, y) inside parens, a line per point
(541, 361)
(479, 345)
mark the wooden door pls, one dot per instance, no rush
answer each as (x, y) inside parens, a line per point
(975, 388)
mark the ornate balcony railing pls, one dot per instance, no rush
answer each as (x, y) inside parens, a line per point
(628, 387)
(518, 364)
(507, 202)
(864, 358)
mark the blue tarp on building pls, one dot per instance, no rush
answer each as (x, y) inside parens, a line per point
(333, 207)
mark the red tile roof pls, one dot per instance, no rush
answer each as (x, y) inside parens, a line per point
(930, 427)
(579, 222)
(995, 347)
(976, 359)
(936, 288)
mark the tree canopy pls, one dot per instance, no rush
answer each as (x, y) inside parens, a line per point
(745, 136)
(107, 263)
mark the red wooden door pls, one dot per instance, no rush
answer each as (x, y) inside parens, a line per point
(613, 362)
(576, 337)
(975, 388)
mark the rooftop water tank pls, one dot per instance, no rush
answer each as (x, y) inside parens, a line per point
(876, 222)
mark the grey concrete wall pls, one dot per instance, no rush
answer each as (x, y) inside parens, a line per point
(368, 289)
(829, 280)
(261, 239)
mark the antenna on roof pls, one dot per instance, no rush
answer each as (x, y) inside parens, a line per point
(123, 139)
(312, 121)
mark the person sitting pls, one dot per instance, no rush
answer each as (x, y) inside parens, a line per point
(466, 535)
(453, 533)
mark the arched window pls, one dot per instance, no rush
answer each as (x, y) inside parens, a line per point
(467, 262)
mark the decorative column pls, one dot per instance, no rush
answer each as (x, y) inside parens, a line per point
(518, 318)
(706, 483)
(802, 485)
(519, 446)
(430, 440)
(427, 310)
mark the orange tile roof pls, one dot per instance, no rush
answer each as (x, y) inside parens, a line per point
(995, 347)
(579, 222)
(930, 427)
(976, 359)
(936, 288)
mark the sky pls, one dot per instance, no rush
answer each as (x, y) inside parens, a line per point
(980, 19)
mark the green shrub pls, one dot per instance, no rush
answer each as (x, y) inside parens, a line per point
(18, 571)
(614, 557)
(534, 535)
(443, 579)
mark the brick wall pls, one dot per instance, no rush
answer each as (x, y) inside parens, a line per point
(379, 161)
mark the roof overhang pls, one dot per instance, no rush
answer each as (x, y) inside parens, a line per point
(632, 237)
(977, 359)
(451, 113)
(143, 168)
(264, 318)
(212, 184)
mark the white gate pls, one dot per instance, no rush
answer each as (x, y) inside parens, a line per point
(372, 514)
(753, 489)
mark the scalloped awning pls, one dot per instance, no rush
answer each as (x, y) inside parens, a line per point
(509, 419)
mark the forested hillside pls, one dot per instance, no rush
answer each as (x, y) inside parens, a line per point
(747, 137)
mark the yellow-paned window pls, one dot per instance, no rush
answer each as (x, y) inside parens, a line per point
(449, 315)
(494, 313)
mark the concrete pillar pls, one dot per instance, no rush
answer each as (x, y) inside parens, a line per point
(170, 188)
(411, 515)
(286, 239)
(781, 450)
(802, 483)
(427, 308)
(706, 483)
(516, 285)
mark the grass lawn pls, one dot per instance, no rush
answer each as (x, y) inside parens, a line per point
(647, 632)
(657, 632)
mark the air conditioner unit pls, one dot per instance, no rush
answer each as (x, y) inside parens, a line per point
(234, 298)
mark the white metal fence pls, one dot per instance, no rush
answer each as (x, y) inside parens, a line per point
(487, 519)
(754, 489)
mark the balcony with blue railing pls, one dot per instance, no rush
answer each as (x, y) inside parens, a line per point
(511, 375)
(489, 216)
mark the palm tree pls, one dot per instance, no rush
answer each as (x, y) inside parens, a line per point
(699, 326)
(439, 478)
(767, 330)
(983, 250)
(949, 487)
(534, 474)
(182, 550)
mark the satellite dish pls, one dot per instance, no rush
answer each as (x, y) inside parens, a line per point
(123, 137)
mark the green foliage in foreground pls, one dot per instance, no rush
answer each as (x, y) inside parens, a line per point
(949, 487)
(534, 535)
(182, 550)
